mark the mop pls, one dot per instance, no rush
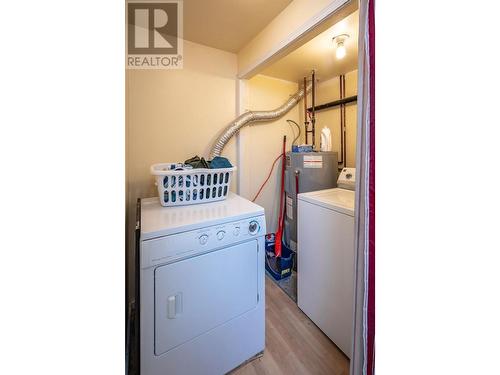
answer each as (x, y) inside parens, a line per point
(274, 257)
(279, 232)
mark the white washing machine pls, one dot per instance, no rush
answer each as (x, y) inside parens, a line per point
(201, 276)
(325, 260)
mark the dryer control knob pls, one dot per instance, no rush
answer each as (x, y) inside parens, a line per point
(253, 227)
(220, 235)
(203, 239)
(236, 231)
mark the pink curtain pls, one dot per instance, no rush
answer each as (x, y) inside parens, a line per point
(363, 353)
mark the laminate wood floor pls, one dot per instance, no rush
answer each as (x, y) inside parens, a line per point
(294, 345)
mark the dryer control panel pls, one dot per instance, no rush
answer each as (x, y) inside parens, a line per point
(347, 179)
(187, 244)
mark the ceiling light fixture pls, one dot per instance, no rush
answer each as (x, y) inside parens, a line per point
(340, 39)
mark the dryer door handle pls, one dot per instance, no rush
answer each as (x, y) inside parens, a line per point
(174, 306)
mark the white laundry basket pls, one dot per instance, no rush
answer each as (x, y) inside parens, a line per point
(191, 186)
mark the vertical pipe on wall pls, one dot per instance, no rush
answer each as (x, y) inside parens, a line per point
(342, 110)
(342, 162)
(306, 122)
(313, 117)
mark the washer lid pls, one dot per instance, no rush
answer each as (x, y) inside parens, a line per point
(340, 200)
(158, 221)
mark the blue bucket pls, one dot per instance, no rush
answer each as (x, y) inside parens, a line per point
(279, 267)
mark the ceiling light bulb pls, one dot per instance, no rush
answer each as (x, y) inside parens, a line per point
(340, 53)
(339, 40)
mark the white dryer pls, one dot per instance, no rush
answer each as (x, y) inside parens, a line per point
(201, 276)
(325, 260)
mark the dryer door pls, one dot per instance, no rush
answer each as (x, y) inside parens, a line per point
(198, 294)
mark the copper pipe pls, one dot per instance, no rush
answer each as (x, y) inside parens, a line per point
(345, 119)
(305, 102)
(342, 108)
(306, 122)
(342, 146)
(313, 117)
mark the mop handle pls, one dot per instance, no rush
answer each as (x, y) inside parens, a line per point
(282, 190)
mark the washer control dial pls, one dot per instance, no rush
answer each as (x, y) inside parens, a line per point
(203, 239)
(220, 235)
(236, 231)
(253, 227)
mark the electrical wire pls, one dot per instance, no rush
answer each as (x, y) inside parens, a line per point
(268, 177)
(298, 127)
(293, 131)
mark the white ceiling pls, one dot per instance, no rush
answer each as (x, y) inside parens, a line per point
(228, 24)
(319, 54)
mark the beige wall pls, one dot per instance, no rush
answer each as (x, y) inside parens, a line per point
(328, 91)
(262, 142)
(172, 115)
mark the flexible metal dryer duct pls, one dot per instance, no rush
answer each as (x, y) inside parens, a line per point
(253, 116)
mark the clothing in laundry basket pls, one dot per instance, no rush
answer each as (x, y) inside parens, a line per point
(220, 162)
(197, 162)
(177, 167)
(217, 162)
